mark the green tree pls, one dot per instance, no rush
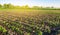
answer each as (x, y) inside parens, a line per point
(8, 6)
(5, 6)
(0, 6)
(26, 6)
(36, 7)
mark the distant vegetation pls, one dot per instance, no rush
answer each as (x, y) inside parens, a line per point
(10, 6)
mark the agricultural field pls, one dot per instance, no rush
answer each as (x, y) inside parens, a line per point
(30, 22)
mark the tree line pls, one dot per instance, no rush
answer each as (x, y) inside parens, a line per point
(10, 6)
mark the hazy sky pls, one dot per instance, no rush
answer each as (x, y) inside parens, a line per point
(55, 3)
